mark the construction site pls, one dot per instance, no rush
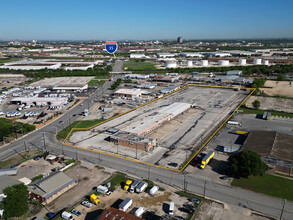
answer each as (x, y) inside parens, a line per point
(167, 130)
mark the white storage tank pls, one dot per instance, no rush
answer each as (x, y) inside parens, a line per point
(189, 63)
(223, 62)
(265, 62)
(204, 62)
(170, 64)
(242, 62)
(257, 61)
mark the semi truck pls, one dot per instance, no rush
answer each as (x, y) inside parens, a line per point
(207, 159)
(127, 184)
(234, 123)
(125, 204)
(94, 199)
(104, 190)
(134, 185)
(141, 187)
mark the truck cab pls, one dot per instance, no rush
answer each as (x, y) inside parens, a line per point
(127, 185)
(94, 199)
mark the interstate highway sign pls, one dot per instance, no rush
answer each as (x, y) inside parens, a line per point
(111, 46)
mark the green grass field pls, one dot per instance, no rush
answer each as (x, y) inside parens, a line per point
(136, 66)
(96, 82)
(274, 113)
(77, 124)
(267, 184)
(6, 60)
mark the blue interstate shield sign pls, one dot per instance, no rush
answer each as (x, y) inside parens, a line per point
(111, 46)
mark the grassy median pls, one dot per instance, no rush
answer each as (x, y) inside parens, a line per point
(260, 112)
(77, 124)
(267, 184)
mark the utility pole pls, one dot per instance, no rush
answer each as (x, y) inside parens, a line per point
(69, 122)
(25, 148)
(204, 189)
(184, 181)
(62, 150)
(76, 153)
(284, 203)
(149, 172)
(136, 151)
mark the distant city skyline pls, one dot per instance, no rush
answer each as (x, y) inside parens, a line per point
(145, 20)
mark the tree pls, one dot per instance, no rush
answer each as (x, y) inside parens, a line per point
(16, 202)
(256, 104)
(281, 77)
(247, 163)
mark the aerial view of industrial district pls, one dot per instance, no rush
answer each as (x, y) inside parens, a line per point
(155, 110)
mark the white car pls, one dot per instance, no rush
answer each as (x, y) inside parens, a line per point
(17, 113)
(1, 113)
(87, 204)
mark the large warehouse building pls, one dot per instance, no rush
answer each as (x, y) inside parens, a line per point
(128, 93)
(134, 134)
(40, 101)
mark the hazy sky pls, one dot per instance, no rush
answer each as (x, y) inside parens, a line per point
(145, 19)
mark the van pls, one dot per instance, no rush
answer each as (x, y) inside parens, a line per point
(67, 216)
(171, 208)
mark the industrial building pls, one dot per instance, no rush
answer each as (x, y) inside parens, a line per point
(169, 89)
(137, 55)
(234, 72)
(147, 85)
(190, 54)
(128, 93)
(28, 66)
(156, 119)
(134, 134)
(52, 186)
(40, 101)
(132, 140)
(165, 55)
(218, 54)
(166, 78)
(274, 147)
(136, 76)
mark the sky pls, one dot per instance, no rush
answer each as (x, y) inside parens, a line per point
(145, 19)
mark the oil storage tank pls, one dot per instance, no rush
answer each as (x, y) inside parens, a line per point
(257, 61)
(223, 62)
(242, 62)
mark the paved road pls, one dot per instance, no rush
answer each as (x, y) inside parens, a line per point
(118, 66)
(258, 202)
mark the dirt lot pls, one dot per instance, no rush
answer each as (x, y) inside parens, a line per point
(158, 203)
(32, 168)
(278, 88)
(215, 211)
(270, 103)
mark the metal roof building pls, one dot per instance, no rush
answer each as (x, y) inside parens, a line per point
(52, 186)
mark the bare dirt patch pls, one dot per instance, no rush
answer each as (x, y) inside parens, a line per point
(283, 88)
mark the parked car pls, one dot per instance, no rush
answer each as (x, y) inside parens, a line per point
(172, 164)
(194, 200)
(225, 177)
(75, 212)
(189, 206)
(87, 204)
(37, 157)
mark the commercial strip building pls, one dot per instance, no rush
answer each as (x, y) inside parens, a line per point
(52, 186)
(137, 55)
(40, 101)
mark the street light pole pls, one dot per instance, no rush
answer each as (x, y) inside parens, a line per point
(184, 181)
(44, 141)
(284, 203)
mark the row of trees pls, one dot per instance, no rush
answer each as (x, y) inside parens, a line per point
(40, 74)
(116, 84)
(246, 70)
(8, 128)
